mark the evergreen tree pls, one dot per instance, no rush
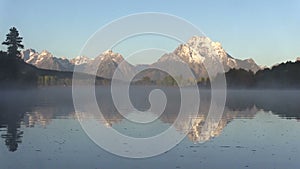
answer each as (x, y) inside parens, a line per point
(13, 41)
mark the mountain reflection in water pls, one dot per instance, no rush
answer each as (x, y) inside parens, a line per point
(39, 107)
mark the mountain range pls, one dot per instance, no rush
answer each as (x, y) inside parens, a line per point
(196, 52)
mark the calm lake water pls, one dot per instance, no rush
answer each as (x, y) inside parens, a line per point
(259, 129)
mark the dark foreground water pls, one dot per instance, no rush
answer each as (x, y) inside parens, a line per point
(259, 129)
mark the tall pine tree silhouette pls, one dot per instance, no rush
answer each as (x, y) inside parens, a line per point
(13, 41)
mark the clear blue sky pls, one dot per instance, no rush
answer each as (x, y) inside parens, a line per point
(267, 31)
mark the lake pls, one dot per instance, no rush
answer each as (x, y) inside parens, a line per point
(258, 129)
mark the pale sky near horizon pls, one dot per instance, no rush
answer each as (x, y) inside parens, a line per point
(267, 31)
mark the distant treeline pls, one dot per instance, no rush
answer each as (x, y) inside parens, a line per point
(282, 76)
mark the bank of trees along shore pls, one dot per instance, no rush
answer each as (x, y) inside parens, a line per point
(282, 76)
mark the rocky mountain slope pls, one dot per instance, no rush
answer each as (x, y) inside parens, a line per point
(200, 54)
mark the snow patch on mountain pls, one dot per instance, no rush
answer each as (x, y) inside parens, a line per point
(79, 60)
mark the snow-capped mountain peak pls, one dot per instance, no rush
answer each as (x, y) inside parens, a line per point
(46, 53)
(189, 54)
(79, 60)
(26, 54)
(46, 60)
(110, 55)
(199, 52)
(206, 47)
(107, 52)
(106, 64)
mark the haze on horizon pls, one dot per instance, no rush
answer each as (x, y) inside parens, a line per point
(264, 31)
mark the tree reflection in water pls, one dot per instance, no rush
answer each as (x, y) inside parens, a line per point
(11, 124)
(17, 105)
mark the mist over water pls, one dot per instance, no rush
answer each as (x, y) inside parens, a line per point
(39, 129)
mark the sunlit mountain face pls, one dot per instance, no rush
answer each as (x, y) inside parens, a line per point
(200, 53)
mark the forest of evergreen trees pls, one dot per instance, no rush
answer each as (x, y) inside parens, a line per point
(284, 75)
